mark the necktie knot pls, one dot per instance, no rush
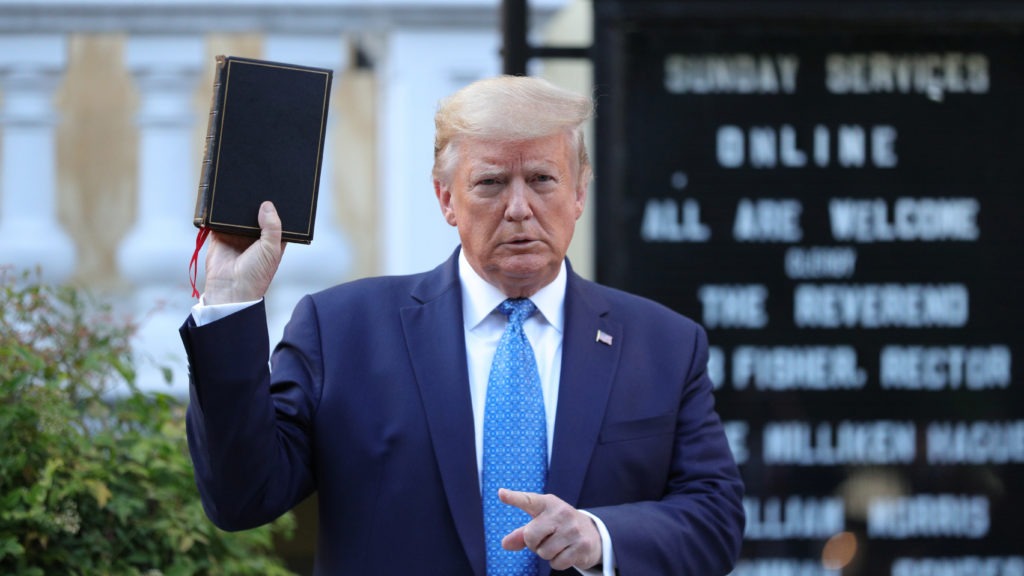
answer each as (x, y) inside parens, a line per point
(517, 309)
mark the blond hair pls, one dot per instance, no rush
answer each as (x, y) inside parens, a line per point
(509, 108)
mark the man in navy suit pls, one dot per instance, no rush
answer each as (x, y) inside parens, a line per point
(376, 396)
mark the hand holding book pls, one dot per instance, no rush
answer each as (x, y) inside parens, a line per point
(264, 141)
(238, 268)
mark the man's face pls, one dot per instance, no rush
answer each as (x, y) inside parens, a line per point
(515, 205)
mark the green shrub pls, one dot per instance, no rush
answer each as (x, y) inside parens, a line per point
(95, 476)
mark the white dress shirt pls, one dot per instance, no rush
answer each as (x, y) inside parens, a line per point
(484, 325)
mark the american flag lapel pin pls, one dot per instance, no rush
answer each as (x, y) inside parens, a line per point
(604, 338)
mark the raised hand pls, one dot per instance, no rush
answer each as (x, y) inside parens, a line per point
(238, 268)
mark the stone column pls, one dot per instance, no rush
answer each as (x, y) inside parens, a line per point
(154, 255)
(31, 66)
(313, 267)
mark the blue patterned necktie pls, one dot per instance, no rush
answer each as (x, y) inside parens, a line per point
(515, 440)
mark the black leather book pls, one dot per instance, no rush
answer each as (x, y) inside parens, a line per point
(265, 141)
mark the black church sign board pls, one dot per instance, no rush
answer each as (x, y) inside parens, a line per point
(837, 195)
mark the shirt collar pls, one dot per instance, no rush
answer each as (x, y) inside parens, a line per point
(479, 298)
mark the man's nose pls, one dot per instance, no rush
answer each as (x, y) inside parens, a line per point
(518, 206)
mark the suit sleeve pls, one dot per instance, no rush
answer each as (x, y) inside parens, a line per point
(250, 435)
(696, 528)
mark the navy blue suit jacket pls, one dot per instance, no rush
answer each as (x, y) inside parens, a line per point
(369, 405)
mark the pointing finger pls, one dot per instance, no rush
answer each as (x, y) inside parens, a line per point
(528, 502)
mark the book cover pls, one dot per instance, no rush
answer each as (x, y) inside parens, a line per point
(265, 141)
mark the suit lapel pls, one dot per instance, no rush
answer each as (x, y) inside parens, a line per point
(588, 368)
(437, 347)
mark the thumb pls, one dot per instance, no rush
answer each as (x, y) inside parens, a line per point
(270, 224)
(259, 263)
(271, 246)
(515, 540)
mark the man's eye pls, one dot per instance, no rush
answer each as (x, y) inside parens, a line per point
(487, 182)
(543, 178)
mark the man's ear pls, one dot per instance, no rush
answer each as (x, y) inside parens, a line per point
(444, 199)
(581, 194)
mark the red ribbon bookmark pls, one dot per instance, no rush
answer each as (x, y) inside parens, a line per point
(193, 265)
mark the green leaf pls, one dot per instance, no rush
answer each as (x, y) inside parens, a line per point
(100, 492)
(9, 546)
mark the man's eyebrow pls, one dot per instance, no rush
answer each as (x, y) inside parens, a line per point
(486, 169)
(484, 164)
(541, 164)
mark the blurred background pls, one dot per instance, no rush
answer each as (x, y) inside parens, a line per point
(831, 189)
(104, 120)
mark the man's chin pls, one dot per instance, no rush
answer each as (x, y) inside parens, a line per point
(525, 266)
(521, 276)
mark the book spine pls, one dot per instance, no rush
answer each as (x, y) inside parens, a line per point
(206, 171)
